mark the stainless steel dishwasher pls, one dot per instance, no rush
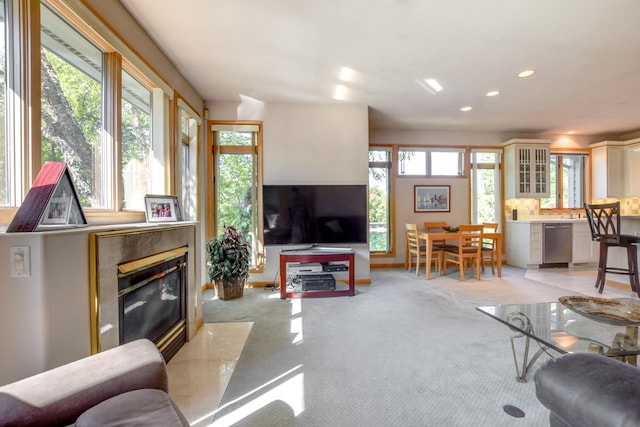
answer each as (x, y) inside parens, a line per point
(556, 244)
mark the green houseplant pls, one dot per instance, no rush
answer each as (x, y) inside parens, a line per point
(228, 263)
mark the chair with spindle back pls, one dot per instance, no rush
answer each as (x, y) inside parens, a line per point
(604, 222)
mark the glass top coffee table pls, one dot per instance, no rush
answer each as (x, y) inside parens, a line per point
(581, 324)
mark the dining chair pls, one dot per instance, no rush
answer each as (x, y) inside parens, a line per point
(469, 248)
(604, 222)
(419, 251)
(489, 245)
(436, 225)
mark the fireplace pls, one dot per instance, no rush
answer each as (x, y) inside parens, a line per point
(152, 300)
(126, 254)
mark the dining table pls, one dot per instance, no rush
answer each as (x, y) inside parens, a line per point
(430, 236)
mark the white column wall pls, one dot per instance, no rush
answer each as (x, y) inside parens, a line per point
(307, 144)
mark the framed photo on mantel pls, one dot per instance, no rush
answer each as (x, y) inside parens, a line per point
(162, 208)
(431, 198)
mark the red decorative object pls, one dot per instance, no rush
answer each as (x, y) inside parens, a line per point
(52, 202)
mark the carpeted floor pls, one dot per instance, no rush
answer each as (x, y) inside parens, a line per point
(402, 352)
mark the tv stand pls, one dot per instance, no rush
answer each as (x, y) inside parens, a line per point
(321, 256)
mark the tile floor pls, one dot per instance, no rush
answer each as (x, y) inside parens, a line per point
(200, 371)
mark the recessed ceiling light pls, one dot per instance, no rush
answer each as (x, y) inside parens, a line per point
(466, 108)
(340, 93)
(526, 73)
(347, 74)
(430, 85)
(433, 84)
(493, 93)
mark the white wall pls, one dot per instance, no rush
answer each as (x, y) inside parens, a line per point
(22, 310)
(307, 144)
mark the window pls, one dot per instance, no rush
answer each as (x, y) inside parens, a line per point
(72, 76)
(188, 142)
(115, 157)
(485, 186)
(236, 181)
(5, 161)
(567, 178)
(136, 142)
(380, 176)
(430, 162)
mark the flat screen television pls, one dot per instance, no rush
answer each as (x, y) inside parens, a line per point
(314, 214)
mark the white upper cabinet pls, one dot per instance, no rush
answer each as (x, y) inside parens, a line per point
(526, 168)
(608, 169)
(632, 168)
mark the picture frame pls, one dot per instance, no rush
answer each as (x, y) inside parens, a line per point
(432, 198)
(57, 211)
(162, 208)
(52, 202)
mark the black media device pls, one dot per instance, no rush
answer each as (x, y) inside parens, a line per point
(315, 214)
(335, 267)
(318, 282)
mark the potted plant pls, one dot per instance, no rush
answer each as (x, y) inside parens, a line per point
(228, 263)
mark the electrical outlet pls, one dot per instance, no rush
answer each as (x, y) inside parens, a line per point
(20, 261)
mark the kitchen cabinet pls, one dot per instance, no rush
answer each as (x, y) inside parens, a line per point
(526, 168)
(632, 169)
(585, 250)
(607, 168)
(523, 242)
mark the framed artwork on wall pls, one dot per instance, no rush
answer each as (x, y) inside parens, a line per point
(432, 198)
(161, 208)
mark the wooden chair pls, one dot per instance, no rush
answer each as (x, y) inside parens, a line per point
(419, 251)
(437, 244)
(604, 221)
(436, 225)
(469, 248)
(488, 245)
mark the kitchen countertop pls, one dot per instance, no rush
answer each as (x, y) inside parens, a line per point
(549, 220)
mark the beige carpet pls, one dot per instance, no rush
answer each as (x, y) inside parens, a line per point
(403, 351)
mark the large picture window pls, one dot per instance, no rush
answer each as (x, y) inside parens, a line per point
(136, 142)
(72, 76)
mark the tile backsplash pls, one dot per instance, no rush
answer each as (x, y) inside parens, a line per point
(528, 208)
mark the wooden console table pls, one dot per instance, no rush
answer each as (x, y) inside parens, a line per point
(319, 256)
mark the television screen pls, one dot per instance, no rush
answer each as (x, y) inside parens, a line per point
(314, 214)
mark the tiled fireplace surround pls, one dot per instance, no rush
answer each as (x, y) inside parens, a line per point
(110, 249)
(63, 309)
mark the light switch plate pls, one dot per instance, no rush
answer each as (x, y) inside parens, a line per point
(20, 261)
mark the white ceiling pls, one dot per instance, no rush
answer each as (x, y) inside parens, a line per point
(586, 54)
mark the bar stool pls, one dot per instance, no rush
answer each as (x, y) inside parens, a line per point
(604, 221)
